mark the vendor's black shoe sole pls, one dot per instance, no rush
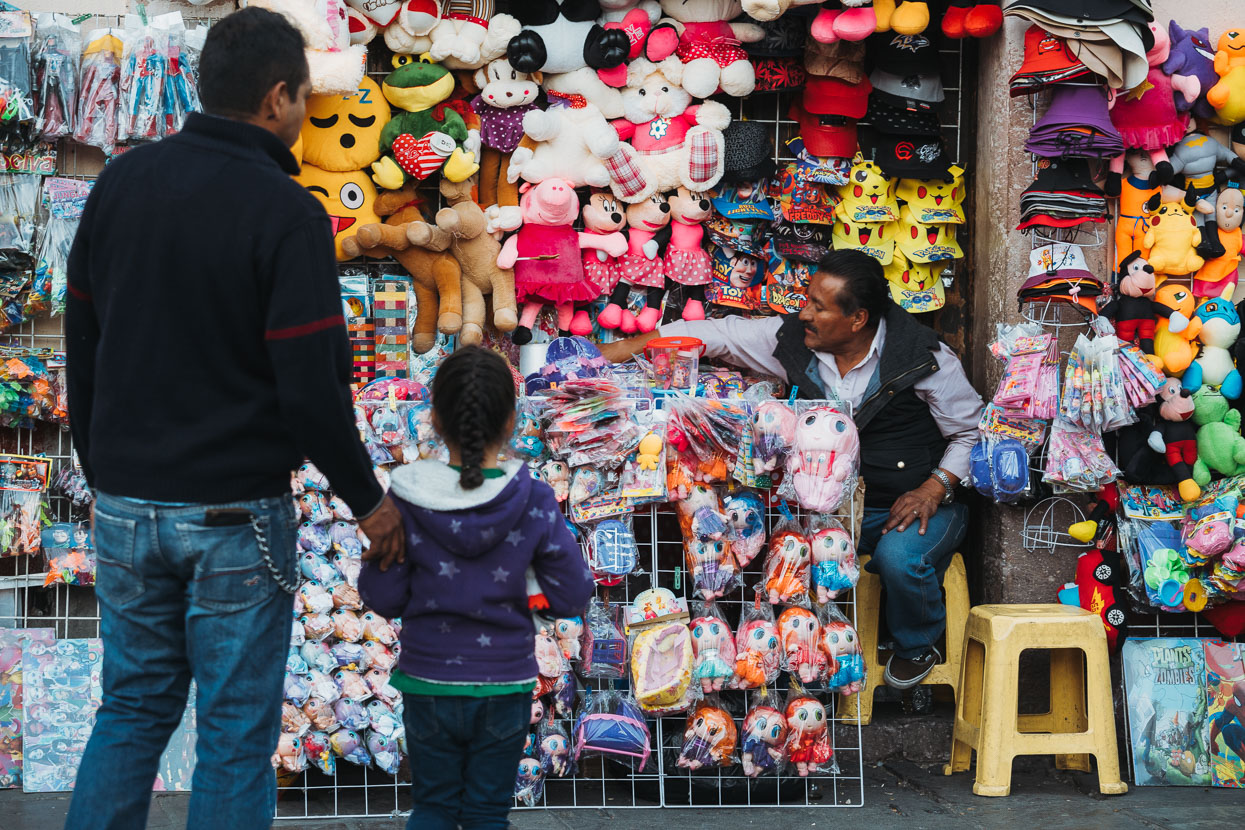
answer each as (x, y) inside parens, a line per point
(902, 673)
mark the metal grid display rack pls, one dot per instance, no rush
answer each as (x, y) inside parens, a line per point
(354, 792)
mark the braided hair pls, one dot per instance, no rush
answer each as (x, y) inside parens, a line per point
(473, 398)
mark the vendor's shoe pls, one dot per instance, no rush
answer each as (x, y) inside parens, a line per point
(910, 18)
(904, 673)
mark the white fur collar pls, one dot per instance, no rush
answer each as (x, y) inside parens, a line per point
(434, 486)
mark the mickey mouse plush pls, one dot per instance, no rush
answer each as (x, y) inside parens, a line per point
(1175, 436)
(563, 36)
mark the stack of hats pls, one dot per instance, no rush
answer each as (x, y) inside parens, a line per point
(1058, 272)
(1063, 195)
(1110, 37)
(902, 109)
(926, 240)
(833, 102)
(1048, 60)
(776, 56)
(1077, 125)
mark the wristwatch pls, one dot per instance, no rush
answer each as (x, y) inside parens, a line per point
(945, 481)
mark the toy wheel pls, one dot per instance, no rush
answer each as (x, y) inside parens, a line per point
(1114, 616)
(1104, 573)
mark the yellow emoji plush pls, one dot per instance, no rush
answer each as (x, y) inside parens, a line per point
(342, 132)
(347, 196)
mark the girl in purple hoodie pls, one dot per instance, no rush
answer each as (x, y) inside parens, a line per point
(467, 667)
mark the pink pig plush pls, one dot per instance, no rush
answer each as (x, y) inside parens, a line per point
(546, 256)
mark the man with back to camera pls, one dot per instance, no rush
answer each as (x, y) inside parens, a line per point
(207, 356)
(917, 415)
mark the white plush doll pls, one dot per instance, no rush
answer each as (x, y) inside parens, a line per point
(462, 34)
(572, 137)
(709, 43)
(336, 63)
(668, 141)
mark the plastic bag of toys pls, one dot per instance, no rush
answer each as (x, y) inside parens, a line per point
(807, 750)
(839, 642)
(799, 635)
(773, 430)
(604, 648)
(529, 781)
(758, 654)
(612, 726)
(99, 93)
(764, 738)
(788, 563)
(713, 648)
(553, 748)
(662, 661)
(710, 737)
(70, 554)
(745, 510)
(707, 536)
(57, 47)
(835, 569)
(824, 458)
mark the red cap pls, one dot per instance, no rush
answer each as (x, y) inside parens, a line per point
(825, 140)
(1046, 55)
(830, 96)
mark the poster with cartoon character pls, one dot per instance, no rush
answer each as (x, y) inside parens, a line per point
(11, 642)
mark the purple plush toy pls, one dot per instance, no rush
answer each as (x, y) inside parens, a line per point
(1192, 56)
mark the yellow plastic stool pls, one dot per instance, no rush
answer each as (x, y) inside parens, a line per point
(868, 614)
(1080, 722)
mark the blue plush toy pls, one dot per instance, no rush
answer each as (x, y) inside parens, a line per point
(1214, 367)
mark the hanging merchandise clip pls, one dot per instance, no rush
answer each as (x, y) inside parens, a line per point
(795, 390)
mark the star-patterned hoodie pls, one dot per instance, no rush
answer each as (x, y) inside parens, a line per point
(461, 593)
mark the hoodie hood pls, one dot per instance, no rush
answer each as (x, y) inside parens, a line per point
(431, 498)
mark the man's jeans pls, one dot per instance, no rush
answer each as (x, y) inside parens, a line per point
(182, 599)
(468, 754)
(911, 567)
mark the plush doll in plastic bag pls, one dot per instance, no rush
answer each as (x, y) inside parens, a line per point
(558, 476)
(320, 714)
(351, 714)
(757, 647)
(554, 749)
(293, 720)
(317, 627)
(764, 737)
(317, 655)
(821, 470)
(347, 744)
(346, 625)
(565, 694)
(345, 595)
(96, 122)
(529, 782)
(787, 565)
(798, 631)
(289, 755)
(773, 425)
(324, 686)
(841, 644)
(568, 631)
(550, 664)
(808, 737)
(611, 725)
(713, 568)
(835, 568)
(352, 684)
(352, 656)
(713, 645)
(319, 752)
(385, 752)
(746, 513)
(709, 739)
(604, 651)
(375, 627)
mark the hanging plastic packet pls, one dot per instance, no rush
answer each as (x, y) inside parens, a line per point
(764, 737)
(710, 738)
(757, 647)
(612, 550)
(17, 108)
(835, 568)
(825, 455)
(19, 200)
(319, 752)
(289, 755)
(70, 554)
(644, 472)
(707, 545)
(713, 647)
(999, 469)
(99, 100)
(612, 726)
(773, 430)
(347, 744)
(385, 753)
(841, 645)
(799, 636)
(143, 68)
(527, 443)
(788, 562)
(1208, 530)
(1076, 460)
(181, 91)
(57, 48)
(550, 664)
(604, 648)
(554, 749)
(745, 510)
(71, 484)
(807, 751)
(662, 661)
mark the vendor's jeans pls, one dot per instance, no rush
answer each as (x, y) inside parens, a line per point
(179, 600)
(911, 567)
(467, 753)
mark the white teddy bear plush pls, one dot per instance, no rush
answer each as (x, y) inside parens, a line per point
(335, 62)
(456, 38)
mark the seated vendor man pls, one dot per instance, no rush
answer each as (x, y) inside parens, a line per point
(916, 413)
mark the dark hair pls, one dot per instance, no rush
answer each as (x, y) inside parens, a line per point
(246, 55)
(864, 283)
(473, 398)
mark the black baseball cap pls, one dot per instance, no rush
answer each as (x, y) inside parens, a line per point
(913, 157)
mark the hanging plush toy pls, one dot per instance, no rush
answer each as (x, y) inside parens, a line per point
(602, 214)
(798, 630)
(1220, 326)
(808, 742)
(462, 34)
(841, 644)
(969, 18)
(642, 266)
(427, 135)
(687, 263)
(1173, 237)
(787, 567)
(746, 513)
(477, 253)
(757, 654)
(546, 255)
(823, 460)
(709, 47)
(834, 563)
(563, 36)
(1218, 276)
(570, 140)
(1134, 191)
(506, 96)
(1174, 335)
(422, 250)
(342, 132)
(713, 644)
(765, 733)
(1191, 66)
(1175, 436)
(709, 739)
(673, 142)
(1146, 117)
(349, 198)
(335, 64)
(1132, 309)
(1228, 96)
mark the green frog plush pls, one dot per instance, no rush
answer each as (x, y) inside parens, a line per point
(429, 135)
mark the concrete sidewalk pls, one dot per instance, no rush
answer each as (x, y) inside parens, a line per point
(895, 792)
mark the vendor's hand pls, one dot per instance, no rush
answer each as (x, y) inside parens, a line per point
(915, 506)
(386, 534)
(620, 351)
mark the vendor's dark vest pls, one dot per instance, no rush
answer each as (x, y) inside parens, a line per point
(900, 444)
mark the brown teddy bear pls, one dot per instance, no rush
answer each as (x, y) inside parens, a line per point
(476, 252)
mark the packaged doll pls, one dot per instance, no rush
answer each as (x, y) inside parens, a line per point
(713, 644)
(808, 737)
(709, 738)
(765, 735)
